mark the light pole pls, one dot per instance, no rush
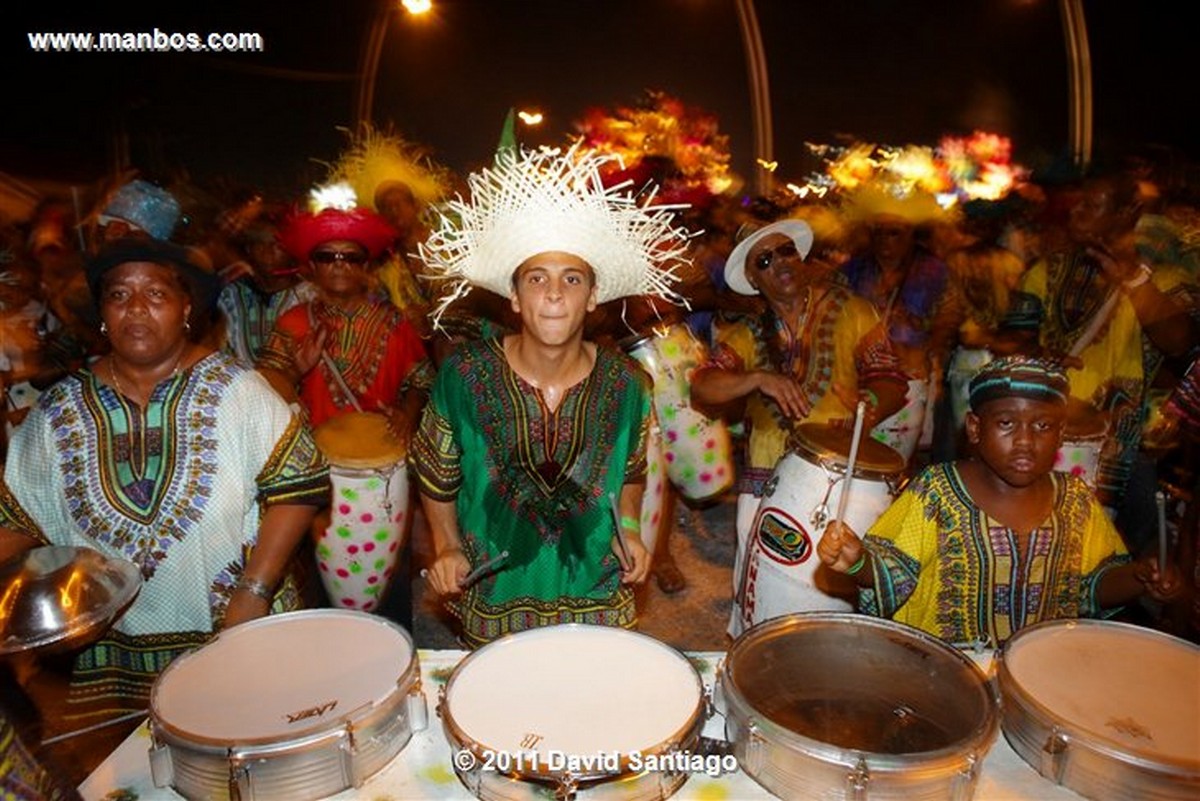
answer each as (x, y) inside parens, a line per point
(760, 96)
(372, 49)
(1079, 67)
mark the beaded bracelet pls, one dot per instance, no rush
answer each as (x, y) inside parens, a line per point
(630, 524)
(857, 566)
(255, 587)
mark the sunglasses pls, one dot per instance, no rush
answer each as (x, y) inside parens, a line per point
(765, 259)
(330, 256)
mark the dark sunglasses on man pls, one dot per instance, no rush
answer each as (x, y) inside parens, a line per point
(330, 256)
(764, 260)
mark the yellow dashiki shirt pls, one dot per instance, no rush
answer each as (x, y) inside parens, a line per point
(841, 341)
(178, 488)
(942, 565)
(535, 483)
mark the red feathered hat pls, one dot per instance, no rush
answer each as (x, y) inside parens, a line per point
(301, 232)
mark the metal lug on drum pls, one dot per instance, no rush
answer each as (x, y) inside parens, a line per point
(858, 780)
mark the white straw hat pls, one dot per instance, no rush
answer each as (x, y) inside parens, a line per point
(533, 202)
(735, 266)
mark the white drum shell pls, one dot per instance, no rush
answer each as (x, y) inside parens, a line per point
(799, 499)
(1069, 752)
(569, 659)
(890, 656)
(321, 759)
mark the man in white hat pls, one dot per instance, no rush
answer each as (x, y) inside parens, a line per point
(531, 454)
(809, 358)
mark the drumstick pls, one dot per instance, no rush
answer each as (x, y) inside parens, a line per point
(95, 727)
(341, 382)
(482, 570)
(859, 414)
(1096, 323)
(1160, 501)
(477, 573)
(626, 560)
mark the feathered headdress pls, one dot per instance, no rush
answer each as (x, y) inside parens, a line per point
(375, 158)
(532, 202)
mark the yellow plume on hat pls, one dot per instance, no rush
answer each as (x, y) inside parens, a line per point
(872, 201)
(376, 158)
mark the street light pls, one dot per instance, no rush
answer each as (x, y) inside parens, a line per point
(1079, 63)
(760, 96)
(373, 49)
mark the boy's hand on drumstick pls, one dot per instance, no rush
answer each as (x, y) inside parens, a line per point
(839, 548)
(447, 572)
(639, 571)
(785, 391)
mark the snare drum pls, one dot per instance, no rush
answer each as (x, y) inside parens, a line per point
(1084, 435)
(839, 705)
(782, 572)
(358, 552)
(1109, 710)
(697, 448)
(292, 707)
(569, 711)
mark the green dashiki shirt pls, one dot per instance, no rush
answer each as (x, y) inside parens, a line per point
(177, 488)
(535, 483)
(942, 565)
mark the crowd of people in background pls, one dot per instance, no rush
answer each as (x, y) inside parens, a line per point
(804, 309)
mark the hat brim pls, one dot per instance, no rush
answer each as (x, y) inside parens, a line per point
(204, 284)
(735, 266)
(302, 233)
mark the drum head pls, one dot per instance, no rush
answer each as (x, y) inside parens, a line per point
(854, 682)
(281, 677)
(832, 444)
(358, 440)
(1130, 688)
(573, 689)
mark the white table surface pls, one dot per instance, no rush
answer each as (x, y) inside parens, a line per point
(422, 770)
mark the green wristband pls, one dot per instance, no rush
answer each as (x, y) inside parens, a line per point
(857, 566)
(630, 524)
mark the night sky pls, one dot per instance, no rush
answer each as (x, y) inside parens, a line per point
(885, 71)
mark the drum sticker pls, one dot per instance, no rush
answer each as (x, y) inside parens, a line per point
(783, 538)
(311, 712)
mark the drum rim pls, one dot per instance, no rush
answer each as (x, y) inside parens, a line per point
(1086, 738)
(396, 457)
(837, 464)
(976, 744)
(406, 682)
(462, 739)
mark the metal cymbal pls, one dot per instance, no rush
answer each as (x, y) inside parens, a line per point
(60, 597)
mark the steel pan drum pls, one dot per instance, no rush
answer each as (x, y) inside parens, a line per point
(1109, 710)
(290, 707)
(57, 598)
(835, 705)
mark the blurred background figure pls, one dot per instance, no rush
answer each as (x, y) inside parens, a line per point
(261, 281)
(400, 181)
(910, 287)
